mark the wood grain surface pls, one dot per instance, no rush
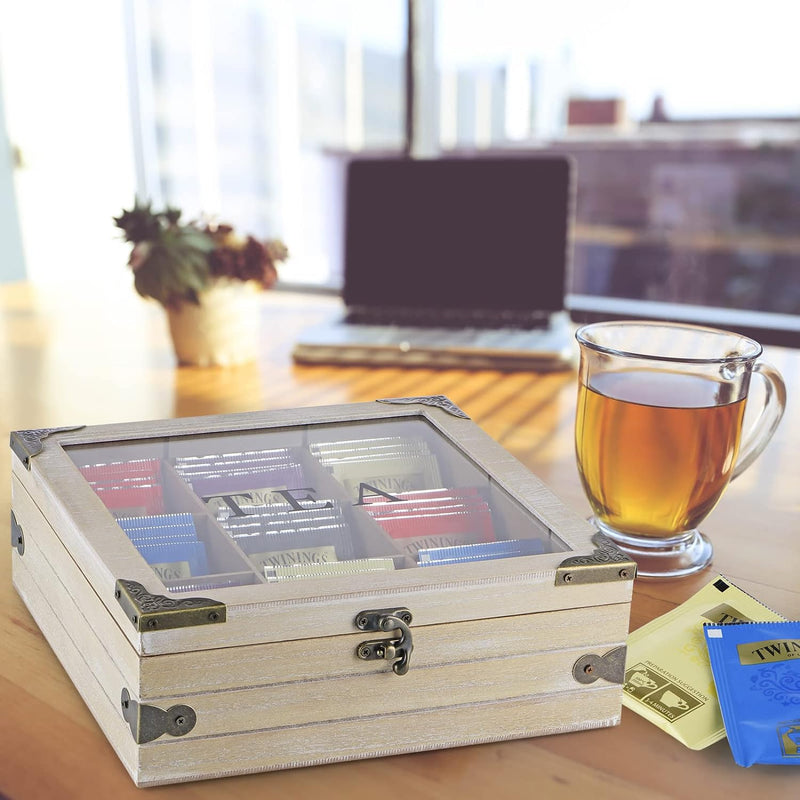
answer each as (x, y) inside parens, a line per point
(80, 357)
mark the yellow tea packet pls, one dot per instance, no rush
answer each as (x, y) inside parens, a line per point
(668, 678)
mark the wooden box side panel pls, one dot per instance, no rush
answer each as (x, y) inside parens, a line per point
(373, 695)
(221, 669)
(383, 735)
(78, 664)
(77, 606)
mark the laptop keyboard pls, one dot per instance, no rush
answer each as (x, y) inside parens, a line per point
(455, 341)
(454, 319)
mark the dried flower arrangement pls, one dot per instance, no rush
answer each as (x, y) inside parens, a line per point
(174, 261)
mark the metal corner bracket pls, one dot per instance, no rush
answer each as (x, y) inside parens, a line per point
(155, 612)
(149, 722)
(27, 444)
(435, 400)
(605, 565)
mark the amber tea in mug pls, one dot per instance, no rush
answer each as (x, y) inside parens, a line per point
(658, 433)
(655, 450)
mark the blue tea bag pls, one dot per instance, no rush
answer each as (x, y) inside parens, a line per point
(756, 667)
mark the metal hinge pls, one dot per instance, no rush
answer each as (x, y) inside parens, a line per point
(27, 444)
(606, 564)
(155, 612)
(17, 536)
(396, 650)
(610, 667)
(149, 722)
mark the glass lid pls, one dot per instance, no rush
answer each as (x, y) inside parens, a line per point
(233, 509)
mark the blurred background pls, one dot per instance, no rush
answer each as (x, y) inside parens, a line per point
(683, 119)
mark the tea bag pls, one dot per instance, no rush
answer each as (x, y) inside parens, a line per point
(756, 669)
(668, 677)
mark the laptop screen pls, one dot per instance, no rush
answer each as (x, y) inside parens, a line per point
(457, 233)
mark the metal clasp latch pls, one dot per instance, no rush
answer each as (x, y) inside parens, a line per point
(397, 650)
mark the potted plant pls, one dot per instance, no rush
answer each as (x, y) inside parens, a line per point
(207, 278)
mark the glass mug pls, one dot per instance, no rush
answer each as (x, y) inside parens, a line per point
(658, 433)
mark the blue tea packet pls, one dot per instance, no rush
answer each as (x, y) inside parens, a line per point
(756, 667)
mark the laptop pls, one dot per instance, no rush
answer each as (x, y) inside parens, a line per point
(452, 262)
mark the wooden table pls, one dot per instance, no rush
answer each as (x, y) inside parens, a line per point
(70, 357)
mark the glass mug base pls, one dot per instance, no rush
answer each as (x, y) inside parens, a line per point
(675, 557)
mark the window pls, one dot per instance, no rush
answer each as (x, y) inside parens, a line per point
(685, 129)
(246, 108)
(683, 121)
(687, 152)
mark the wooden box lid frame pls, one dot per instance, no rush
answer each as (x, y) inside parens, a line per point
(594, 571)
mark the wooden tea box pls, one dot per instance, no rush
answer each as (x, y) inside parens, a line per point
(259, 591)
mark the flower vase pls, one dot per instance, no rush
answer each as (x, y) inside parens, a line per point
(222, 329)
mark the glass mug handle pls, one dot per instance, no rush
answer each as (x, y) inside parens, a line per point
(771, 412)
